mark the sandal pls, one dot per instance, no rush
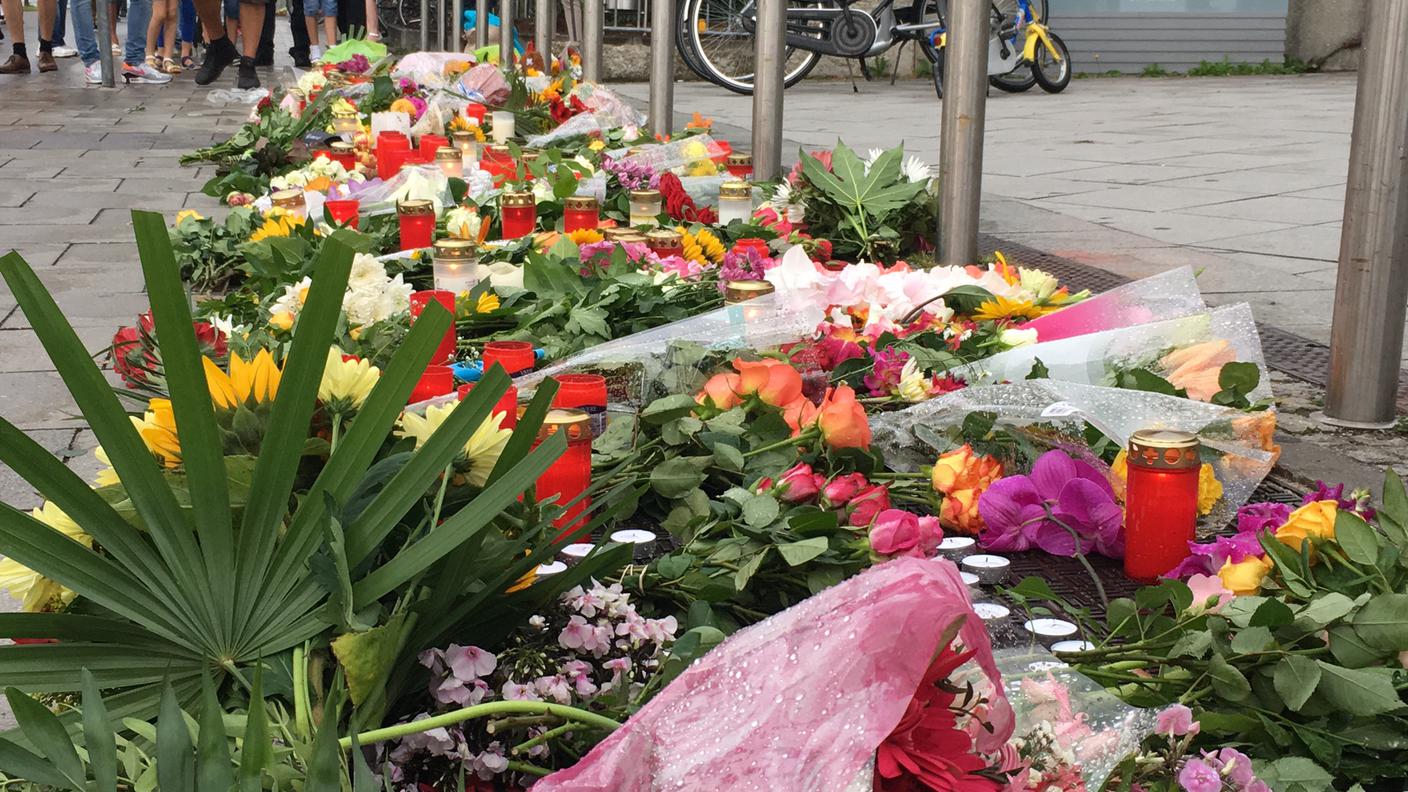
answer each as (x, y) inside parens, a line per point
(170, 66)
(188, 62)
(154, 62)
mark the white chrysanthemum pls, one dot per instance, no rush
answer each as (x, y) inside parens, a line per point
(365, 269)
(291, 301)
(914, 386)
(32, 589)
(788, 203)
(312, 81)
(915, 170)
(463, 223)
(481, 451)
(1038, 283)
(346, 383)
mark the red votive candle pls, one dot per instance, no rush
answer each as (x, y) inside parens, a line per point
(419, 300)
(475, 111)
(571, 474)
(1161, 501)
(507, 405)
(436, 381)
(344, 154)
(739, 164)
(429, 144)
(514, 356)
(579, 212)
(518, 214)
(585, 392)
(344, 211)
(416, 220)
(391, 151)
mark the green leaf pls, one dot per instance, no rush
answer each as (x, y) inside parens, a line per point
(1295, 679)
(19, 763)
(668, 409)
(367, 657)
(98, 736)
(1252, 639)
(214, 769)
(798, 553)
(1350, 650)
(175, 755)
(1229, 683)
(1241, 378)
(760, 510)
(1356, 538)
(256, 748)
(1395, 500)
(1272, 613)
(729, 457)
(1033, 588)
(325, 764)
(1325, 609)
(1359, 691)
(1191, 644)
(749, 568)
(362, 778)
(1294, 772)
(44, 730)
(1383, 622)
(691, 646)
(675, 477)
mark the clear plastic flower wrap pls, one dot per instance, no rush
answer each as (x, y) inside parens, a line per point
(428, 68)
(439, 109)
(682, 156)
(1053, 414)
(1167, 295)
(606, 111)
(1189, 352)
(704, 190)
(413, 182)
(1062, 711)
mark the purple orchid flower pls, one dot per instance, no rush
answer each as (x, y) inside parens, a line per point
(1254, 518)
(1060, 493)
(1206, 559)
(1357, 502)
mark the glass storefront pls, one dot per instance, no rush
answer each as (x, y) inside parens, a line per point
(1167, 6)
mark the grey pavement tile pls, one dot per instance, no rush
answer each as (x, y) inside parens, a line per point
(38, 400)
(1273, 208)
(1146, 197)
(105, 200)
(1312, 242)
(38, 256)
(12, 197)
(1263, 181)
(26, 217)
(72, 184)
(1332, 193)
(84, 256)
(28, 170)
(18, 493)
(20, 350)
(1131, 174)
(19, 235)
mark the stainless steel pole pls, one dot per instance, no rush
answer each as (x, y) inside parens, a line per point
(592, 34)
(481, 24)
(961, 131)
(424, 24)
(102, 12)
(506, 33)
(769, 56)
(440, 12)
(662, 66)
(1366, 334)
(542, 30)
(456, 42)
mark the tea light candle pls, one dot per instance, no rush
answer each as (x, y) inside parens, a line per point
(345, 124)
(1049, 630)
(468, 146)
(956, 547)
(1072, 646)
(450, 161)
(735, 202)
(991, 611)
(990, 569)
(575, 552)
(454, 265)
(553, 568)
(645, 207)
(644, 541)
(502, 122)
(969, 579)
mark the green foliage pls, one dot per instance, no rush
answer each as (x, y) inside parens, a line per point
(865, 211)
(1154, 70)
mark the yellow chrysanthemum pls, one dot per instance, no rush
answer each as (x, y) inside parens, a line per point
(481, 451)
(585, 236)
(597, 145)
(488, 302)
(158, 430)
(403, 106)
(277, 223)
(247, 382)
(35, 591)
(346, 383)
(1004, 308)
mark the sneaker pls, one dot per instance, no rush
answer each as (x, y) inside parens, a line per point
(65, 52)
(248, 79)
(93, 73)
(300, 60)
(315, 52)
(143, 73)
(218, 55)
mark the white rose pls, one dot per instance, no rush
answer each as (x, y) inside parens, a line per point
(1040, 284)
(1013, 337)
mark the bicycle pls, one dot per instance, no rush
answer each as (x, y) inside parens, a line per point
(715, 37)
(1015, 66)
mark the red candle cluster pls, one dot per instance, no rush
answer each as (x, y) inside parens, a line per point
(392, 150)
(570, 475)
(445, 352)
(416, 222)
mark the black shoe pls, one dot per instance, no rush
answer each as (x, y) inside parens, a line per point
(248, 78)
(218, 55)
(301, 59)
(264, 60)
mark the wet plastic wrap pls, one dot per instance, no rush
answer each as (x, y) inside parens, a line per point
(606, 111)
(1189, 352)
(428, 68)
(413, 182)
(1167, 295)
(801, 700)
(683, 156)
(1054, 414)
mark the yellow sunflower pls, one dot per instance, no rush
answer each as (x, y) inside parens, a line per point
(36, 592)
(488, 302)
(158, 430)
(277, 223)
(250, 382)
(1004, 308)
(702, 246)
(585, 236)
(481, 451)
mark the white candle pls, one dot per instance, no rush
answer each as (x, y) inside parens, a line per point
(1049, 629)
(455, 276)
(735, 202)
(553, 568)
(991, 611)
(990, 569)
(503, 125)
(969, 579)
(573, 553)
(643, 541)
(956, 547)
(1072, 646)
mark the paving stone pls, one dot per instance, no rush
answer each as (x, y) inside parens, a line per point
(17, 492)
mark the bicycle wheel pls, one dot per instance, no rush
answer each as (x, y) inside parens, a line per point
(682, 45)
(1053, 76)
(1019, 80)
(723, 46)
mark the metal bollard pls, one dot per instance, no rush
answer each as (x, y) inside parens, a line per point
(769, 59)
(592, 34)
(506, 33)
(481, 24)
(662, 66)
(102, 11)
(542, 30)
(440, 27)
(424, 25)
(961, 132)
(456, 40)
(1366, 333)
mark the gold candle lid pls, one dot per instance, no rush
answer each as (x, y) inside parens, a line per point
(645, 195)
(576, 423)
(287, 198)
(524, 198)
(736, 189)
(745, 290)
(1165, 449)
(341, 146)
(344, 114)
(419, 206)
(581, 202)
(455, 249)
(739, 158)
(500, 150)
(462, 138)
(447, 154)
(666, 237)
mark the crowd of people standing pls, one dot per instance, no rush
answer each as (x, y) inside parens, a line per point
(163, 35)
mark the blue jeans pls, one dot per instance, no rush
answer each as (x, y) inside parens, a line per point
(186, 22)
(81, 12)
(320, 8)
(139, 15)
(59, 20)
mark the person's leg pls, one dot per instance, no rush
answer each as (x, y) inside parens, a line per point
(48, 11)
(85, 38)
(153, 30)
(57, 36)
(374, 20)
(186, 29)
(112, 27)
(134, 69)
(264, 53)
(298, 26)
(310, 23)
(220, 49)
(330, 22)
(18, 62)
(252, 16)
(168, 36)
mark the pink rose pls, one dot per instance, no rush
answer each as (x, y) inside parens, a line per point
(867, 503)
(841, 489)
(799, 484)
(1176, 721)
(898, 532)
(929, 535)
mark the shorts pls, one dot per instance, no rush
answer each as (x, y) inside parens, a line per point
(320, 8)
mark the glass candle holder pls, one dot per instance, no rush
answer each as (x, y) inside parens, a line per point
(570, 474)
(739, 292)
(665, 242)
(392, 149)
(498, 162)
(585, 392)
(476, 111)
(416, 220)
(1161, 501)
(450, 162)
(468, 147)
(436, 381)
(580, 212)
(739, 165)
(290, 201)
(430, 145)
(518, 214)
(345, 124)
(344, 154)
(454, 265)
(506, 407)
(645, 207)
(990, 569)
(735, 202)
(445, 352)
(344, 211)
(501, 125)
(514, 356)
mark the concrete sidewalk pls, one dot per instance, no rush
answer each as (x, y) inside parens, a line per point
(1241, 177)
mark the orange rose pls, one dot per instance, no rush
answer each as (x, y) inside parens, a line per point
(773, 381)
(1312, 521)
(1196, 368)
(799, 414)
(961, 477)
(720, 392)
(842, 420)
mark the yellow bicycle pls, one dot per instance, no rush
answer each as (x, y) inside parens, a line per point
(1022, 50)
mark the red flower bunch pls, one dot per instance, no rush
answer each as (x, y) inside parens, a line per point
(679, 206)
(929, 749)
(135, 350)
(562, 110)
